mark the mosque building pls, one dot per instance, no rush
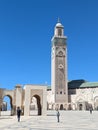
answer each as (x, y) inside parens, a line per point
(62, 94)
(68, 95)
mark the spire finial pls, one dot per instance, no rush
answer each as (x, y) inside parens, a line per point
(58, 20)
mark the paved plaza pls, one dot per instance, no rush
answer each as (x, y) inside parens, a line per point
(69, 120)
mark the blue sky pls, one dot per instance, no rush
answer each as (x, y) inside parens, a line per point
(26, 29)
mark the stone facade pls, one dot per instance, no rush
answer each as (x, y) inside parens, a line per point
(83, 96)
(21, 97)
(39, 92)
(59, 66)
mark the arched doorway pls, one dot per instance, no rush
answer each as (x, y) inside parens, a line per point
(73, 106)
(61, 107)
(81, 103)
(80, 107)
(39, 92)
(7, 106)
(35, 106)
(69, 107)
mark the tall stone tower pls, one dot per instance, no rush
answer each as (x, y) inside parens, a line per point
(59, 65)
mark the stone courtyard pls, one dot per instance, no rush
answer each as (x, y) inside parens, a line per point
(69, 120)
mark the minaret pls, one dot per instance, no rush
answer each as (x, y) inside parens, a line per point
(59, 65)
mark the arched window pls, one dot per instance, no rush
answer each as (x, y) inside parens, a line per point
(59, 32)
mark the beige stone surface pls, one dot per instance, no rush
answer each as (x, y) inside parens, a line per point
(69, 120)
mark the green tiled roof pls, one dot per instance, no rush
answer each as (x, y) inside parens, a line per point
(89, 84)
(81, 84)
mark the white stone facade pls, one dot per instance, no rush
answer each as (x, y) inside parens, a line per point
(78, 99)
(88, 96)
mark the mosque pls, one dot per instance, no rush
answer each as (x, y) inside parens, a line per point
(62, 94)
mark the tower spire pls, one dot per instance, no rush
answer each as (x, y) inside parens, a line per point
(58, 20)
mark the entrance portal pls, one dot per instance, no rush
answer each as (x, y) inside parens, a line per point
(35, 105)
(7, 105)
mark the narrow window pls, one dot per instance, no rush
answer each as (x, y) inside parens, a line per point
(59, 32)
(60, 92)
